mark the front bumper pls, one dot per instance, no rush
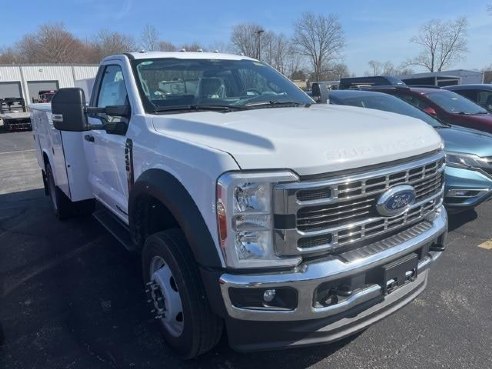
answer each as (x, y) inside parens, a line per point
(309, 324)
(466, 188)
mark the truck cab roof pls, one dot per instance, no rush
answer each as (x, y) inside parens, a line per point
(181, 55)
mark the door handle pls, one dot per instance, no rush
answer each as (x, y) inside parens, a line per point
(89, 138)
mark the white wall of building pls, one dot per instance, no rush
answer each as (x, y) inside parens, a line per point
(65, 75)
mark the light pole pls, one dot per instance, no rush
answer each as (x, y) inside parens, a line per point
(258, 42)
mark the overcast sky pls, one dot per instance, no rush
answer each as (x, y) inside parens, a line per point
(374, 29)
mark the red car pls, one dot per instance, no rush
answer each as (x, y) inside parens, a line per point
(447, 106)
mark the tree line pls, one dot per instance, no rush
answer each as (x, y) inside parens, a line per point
(313, 51)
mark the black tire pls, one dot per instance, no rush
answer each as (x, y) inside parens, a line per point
(62, 206)
(201, 328)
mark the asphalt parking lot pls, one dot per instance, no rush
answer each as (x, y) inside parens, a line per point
(72, 297)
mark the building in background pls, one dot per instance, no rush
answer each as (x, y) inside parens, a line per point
(446, 78)
(25, 81)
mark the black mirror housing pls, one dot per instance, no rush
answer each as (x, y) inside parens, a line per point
(68, 108)
(118, 111)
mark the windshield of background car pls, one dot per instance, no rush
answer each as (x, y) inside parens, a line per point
(391, 104)
(454, 103)
(176, 83)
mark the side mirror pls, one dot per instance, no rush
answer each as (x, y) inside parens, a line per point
(112, 110)
(319, 91)
(430, 111)
(118, 111)
(68, 108)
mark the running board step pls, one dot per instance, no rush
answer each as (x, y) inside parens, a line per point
(117, 228)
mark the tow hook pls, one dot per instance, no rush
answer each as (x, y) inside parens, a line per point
(156, 299)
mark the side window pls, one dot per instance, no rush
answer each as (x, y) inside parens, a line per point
(472, 95)
(414, 101)
(485, 99)
(112, 91)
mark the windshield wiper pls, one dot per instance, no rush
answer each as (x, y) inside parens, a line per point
(276, 104)
(196, 108)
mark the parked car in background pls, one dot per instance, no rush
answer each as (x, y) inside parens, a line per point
(480, 94)
(447, 106)
(468, 153)
(356, 82)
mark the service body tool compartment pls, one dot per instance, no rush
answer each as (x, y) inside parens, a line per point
(65, 153)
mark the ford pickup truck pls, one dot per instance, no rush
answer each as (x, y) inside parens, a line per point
(284, 222)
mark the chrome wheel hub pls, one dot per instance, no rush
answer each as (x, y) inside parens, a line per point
(164, 296)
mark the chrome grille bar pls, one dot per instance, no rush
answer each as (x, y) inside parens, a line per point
(333, 213)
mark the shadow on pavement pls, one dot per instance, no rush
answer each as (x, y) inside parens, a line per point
(72, 297)
(458, 219)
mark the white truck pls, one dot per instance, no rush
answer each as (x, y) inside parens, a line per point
(285, 222)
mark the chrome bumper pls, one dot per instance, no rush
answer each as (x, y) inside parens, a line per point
(307, 277)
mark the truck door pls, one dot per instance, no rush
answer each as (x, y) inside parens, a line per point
(105, 148)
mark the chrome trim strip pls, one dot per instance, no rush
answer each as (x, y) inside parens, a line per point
(289, 189)
(308, 276)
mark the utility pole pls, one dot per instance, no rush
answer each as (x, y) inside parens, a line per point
(258, 43)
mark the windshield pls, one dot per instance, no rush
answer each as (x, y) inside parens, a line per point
(454, 103)
(387, 103)
(175, 85)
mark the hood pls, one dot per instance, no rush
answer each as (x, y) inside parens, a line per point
(319, 139)
(468, 141)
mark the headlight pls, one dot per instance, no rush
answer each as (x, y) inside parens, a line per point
(468, 161)
(245, 219)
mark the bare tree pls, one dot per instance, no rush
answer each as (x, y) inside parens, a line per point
(442, 43)
(387, 68)
(375, 68)
(221, 47)
(52, 43)
(294, 63)
(9, 56)
(336, 71)
(320, 39)
(276, 50)
(150, 38)
(166, 46)
(246, 39)
(109, 43)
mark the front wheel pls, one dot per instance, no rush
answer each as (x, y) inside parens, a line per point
(177, 295)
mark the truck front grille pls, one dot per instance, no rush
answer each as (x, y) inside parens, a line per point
(333, 213)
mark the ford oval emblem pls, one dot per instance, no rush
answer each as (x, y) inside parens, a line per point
(396, 200)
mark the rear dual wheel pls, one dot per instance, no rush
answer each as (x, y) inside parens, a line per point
(62, 206)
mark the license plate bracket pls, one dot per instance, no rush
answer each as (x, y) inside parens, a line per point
(399, 272)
